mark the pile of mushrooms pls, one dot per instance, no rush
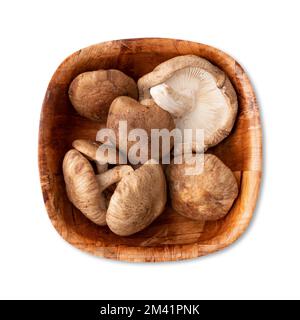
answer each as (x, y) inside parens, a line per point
(185, 92)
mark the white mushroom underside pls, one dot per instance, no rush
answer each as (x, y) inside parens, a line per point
(191, 95)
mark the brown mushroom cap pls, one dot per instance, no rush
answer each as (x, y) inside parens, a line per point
(87, 147)
(207, 196)
(145, 116)
(92, 92)
(139, 198)
(90, 148)
(197, 94)
(83, 188)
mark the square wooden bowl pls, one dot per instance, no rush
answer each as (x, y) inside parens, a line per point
(171, 237)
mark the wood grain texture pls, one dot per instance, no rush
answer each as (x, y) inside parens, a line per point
(171, 237)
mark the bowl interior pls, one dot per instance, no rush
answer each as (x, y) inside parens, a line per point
(171, 236)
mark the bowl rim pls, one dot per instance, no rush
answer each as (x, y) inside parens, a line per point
(166, 252)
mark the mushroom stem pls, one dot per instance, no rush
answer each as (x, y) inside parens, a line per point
(101, 168)
(112, 176)
(170, 100)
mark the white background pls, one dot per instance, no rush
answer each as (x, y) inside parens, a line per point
(36, 36)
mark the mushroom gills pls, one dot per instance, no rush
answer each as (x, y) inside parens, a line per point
(192, 97)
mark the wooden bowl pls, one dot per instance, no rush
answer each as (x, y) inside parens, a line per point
(171, 237)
